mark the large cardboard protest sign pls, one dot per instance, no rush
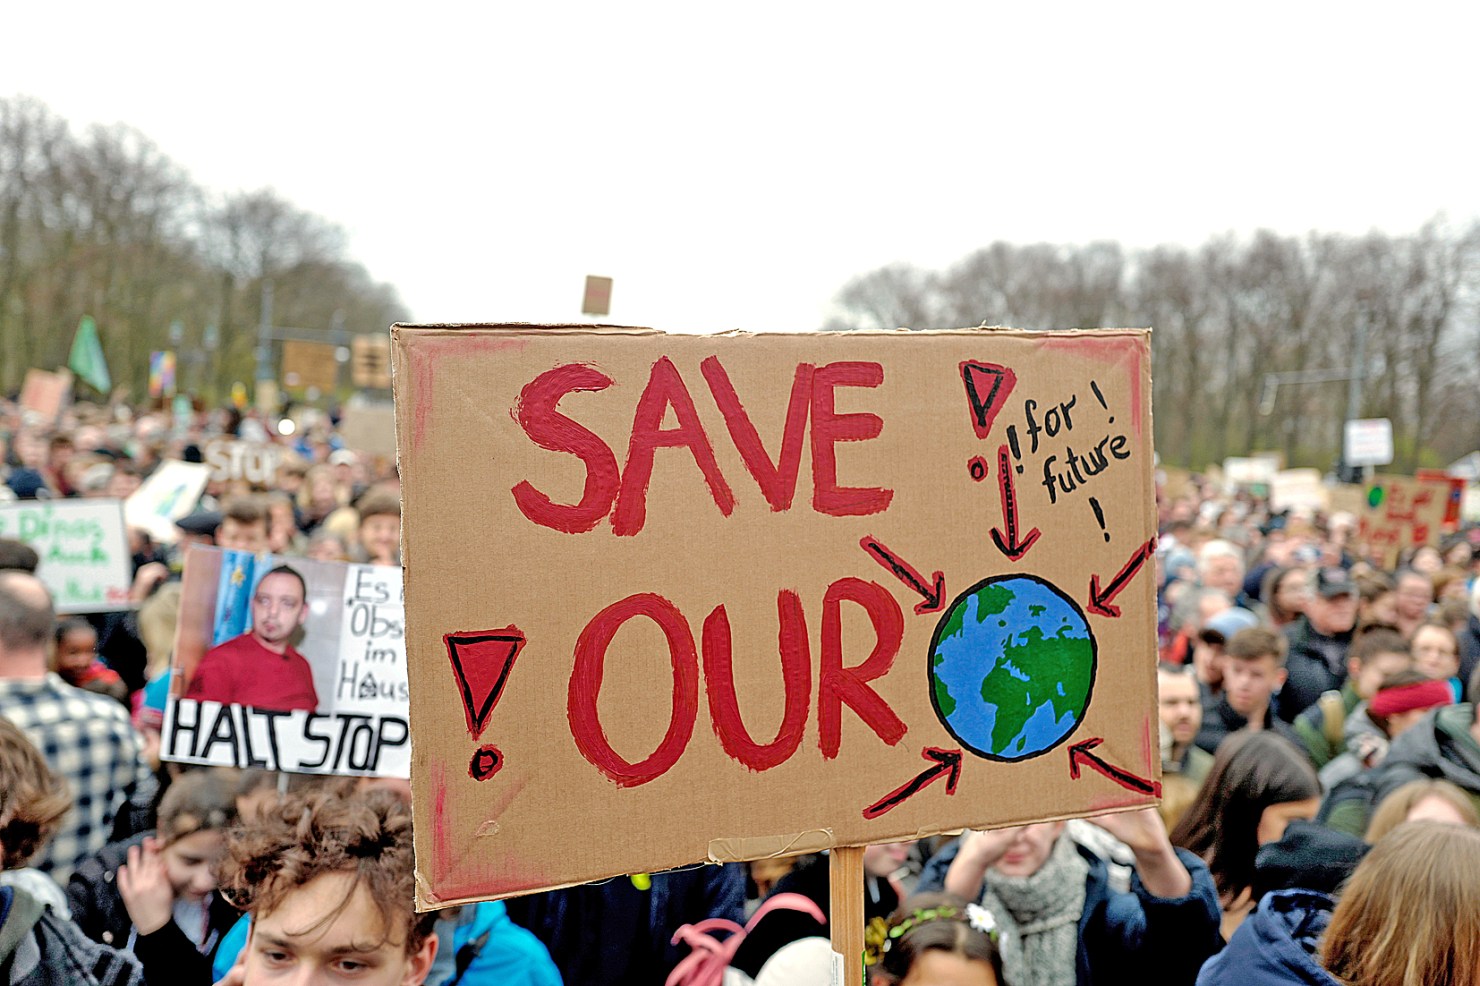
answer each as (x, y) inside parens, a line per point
(677, 598)
(289, 664)
(83, 549)
(1402, 512)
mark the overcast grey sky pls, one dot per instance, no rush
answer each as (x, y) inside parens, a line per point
(731, 166)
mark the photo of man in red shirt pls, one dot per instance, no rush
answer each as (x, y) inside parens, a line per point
(260, 668)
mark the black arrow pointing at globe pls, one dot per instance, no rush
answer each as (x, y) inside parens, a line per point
(947, 764)
(933, 592)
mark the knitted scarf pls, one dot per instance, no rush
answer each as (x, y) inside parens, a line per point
(1039, 918)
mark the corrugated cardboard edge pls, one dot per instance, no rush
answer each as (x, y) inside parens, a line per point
(581, 328)
(769, 847)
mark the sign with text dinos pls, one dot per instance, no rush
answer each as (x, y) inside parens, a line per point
(289, 664)
(83, 551)
(723, 598)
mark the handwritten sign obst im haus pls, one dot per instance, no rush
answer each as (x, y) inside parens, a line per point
(674, 599)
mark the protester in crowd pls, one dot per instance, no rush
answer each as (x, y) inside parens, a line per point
(619, 933)
(1400, 703)
(33, 802)
(379, 540)
(810, 877)
(1424, 559)
(936, 939)
(1422, 801)
(261, 668)
(39, 945)
(17, 556)
(1324, 729)
(283, 537)
(1220, 565)
(1190, 614)
(1413, 595)
(319, 497)
(1308, 856)
(1259, 783)
(1207, 653)
(326, 546)
(1450, 583)
(154, 895)
(1184, 765)
(1318, 642)
(1061, 921)
(86, 738)
(1253, 670)
(243, 525)
(1409, 915)
(329, 884)
(1436, 653)
(1444, 744)
(1283, 595)
(75, 660)
(1469, 637)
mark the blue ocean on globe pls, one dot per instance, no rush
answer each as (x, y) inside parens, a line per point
(1012, 666)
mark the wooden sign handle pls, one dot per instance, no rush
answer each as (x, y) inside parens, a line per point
(845, 911)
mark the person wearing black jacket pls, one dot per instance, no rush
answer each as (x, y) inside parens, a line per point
(155, 894)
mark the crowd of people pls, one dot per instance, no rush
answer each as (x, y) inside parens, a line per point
(1320, 758)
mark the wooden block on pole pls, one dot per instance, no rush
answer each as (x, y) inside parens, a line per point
(845, 913)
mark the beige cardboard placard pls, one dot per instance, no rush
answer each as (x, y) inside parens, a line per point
(369, 428)
(1402, 512)
(672, 593)
(309, 365)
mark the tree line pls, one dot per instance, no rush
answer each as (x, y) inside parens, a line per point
(1227, 315)
(103, 223)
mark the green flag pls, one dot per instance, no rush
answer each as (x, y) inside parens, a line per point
(87, 357)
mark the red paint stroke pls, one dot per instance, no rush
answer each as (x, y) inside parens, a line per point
(778, 480)
(537, 412)
(1079, 756)
(829, 428)
(1099, 600)
(837, 685)
(585, 689)
(796, 676)
(441, 835)
(481, 662)
(987, 388)
(932, 590)
(947, 764)
(665, 388)
(1009, 544)
(978, 468)
(486, 761)
(1130, 352)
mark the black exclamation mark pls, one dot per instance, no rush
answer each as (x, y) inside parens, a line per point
(1017, 453)
(1099, 511)
(1101, 398)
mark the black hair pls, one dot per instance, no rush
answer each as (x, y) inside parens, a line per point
(287, 570)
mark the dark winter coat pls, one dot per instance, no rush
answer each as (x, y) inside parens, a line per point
(168, 955)
(1276, 945)
(1123, 936)
(1315, 664)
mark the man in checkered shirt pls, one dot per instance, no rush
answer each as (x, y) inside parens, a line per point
(85, 737)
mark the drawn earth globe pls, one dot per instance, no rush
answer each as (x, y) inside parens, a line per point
(1012, 667)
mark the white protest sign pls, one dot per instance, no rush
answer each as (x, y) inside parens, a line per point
(255, 462)
(1369, 442)
(84, 554)
(170, 492)
(289, 664)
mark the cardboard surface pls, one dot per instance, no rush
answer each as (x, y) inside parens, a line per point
(1402, 512)
(309, 365)
(684, 598)
(1299, 489)
(369, 428)
(46, 394)
(85, 560)
(350, 646)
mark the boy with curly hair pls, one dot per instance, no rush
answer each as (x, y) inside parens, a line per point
(329, 885)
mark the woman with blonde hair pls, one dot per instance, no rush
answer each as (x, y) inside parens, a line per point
(1426, 800)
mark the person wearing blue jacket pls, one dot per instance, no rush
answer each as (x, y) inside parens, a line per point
(1277, 945)
(1061, 919)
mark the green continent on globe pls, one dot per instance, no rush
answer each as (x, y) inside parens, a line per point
(1017, 693)
(990, 601)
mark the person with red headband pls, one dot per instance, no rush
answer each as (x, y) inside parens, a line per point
(1398, 704)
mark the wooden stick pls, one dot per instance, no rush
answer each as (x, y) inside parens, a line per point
(845, 911)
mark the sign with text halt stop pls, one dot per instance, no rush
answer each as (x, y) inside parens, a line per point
(674, 599)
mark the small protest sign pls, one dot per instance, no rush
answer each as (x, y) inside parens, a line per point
(1401, 512)
(83, 549)
(170, 492)
(289, 664)
(369, 428)
(744, 596)
(255, 462)
(46, 394)
(1299, 489)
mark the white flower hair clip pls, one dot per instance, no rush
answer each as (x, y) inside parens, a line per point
(981, 919)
